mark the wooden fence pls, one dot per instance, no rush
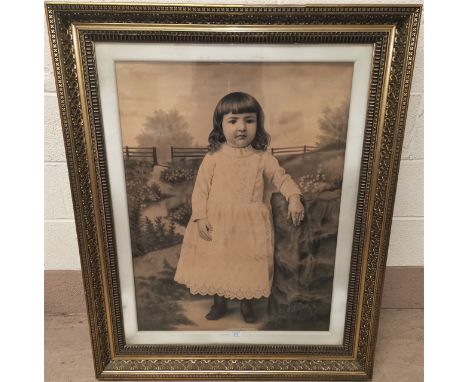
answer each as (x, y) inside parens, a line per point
(292, 150)
(149, 153)
(199, 152)
(188, 152)
(141, 153)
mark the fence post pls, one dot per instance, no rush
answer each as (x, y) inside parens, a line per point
(305, 149)
(172, 153)
(272, 151)
(127, 152)
(155, 158)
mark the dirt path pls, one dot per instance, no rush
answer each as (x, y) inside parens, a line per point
(165, 188)
(152, 264)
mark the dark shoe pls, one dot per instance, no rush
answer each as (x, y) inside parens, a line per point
(218, 309)
(247, 311)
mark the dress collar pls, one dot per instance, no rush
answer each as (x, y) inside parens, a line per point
(237, 151)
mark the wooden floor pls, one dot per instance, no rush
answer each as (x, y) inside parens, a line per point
(398, 358)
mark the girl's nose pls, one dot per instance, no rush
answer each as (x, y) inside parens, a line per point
(242, 125)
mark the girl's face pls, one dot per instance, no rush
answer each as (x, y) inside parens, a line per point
(239, 129)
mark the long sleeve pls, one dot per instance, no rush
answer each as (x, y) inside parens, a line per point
(201, 190)
(277, 175)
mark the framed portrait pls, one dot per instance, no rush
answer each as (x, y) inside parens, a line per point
(233, 172)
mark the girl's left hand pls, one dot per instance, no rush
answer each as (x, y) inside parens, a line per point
(295, 209)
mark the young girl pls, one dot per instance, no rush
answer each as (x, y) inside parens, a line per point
(227, 250)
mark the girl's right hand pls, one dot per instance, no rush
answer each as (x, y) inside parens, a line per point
(204, 229)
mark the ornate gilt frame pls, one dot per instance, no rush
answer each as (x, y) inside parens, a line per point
(73, 30)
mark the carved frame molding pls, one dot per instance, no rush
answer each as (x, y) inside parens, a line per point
(73, 31)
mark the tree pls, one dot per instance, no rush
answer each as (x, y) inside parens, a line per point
(165, 128)
(334, 126)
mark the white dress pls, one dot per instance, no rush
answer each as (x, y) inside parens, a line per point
(230, 192)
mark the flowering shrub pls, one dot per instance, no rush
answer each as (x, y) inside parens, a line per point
(316, 183)
(177, 175)
(139, 195)
(181, 214)
(139, 192)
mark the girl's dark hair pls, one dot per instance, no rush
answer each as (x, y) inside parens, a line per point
(237, 103)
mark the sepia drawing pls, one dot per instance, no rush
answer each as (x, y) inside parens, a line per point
(233, 175)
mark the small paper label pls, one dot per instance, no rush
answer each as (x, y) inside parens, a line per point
(236, 333)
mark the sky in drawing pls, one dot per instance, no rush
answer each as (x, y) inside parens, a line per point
(293, 95)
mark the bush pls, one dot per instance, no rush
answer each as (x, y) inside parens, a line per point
(137, 175)
(139, 193)
(157, 235)
(135, 232)
(318, 182)
(178, 175)
(181, 214)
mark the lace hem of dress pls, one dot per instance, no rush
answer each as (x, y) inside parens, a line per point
(210, 290)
